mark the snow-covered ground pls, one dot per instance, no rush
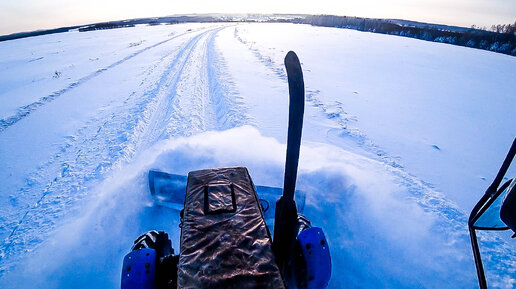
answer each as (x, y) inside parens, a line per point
(401, 138)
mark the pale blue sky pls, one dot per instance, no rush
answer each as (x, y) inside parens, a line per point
(28, 15)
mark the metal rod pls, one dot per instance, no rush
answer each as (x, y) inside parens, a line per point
(478, 260)
(505, 166)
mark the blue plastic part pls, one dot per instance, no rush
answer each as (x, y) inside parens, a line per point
(139, 269)
(317, 257)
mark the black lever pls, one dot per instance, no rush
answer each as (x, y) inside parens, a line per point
(286, 212)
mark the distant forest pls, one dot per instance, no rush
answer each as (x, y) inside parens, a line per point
(501, 38)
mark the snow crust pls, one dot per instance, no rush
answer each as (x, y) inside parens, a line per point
(401, 138)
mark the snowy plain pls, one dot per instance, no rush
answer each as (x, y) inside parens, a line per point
(401, 138)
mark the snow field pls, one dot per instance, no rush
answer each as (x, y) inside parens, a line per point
(401, 138)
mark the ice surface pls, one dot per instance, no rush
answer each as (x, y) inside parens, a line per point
(401, 138)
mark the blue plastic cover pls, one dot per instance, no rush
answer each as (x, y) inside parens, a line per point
(317, 257)
(490, 219)
(139, 269)
(168, 189)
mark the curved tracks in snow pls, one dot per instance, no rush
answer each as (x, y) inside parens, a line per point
(184, 92)
(25, 110)
(451, 221)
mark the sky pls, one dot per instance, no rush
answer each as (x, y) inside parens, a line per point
(29, 15)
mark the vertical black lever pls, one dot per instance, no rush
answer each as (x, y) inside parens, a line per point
(286, 212)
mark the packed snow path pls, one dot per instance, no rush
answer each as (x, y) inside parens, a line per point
(85, 115)
(175, 87)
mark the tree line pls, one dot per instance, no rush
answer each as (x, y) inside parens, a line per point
(501, 39)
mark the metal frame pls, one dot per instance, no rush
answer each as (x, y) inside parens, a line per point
(483, 204)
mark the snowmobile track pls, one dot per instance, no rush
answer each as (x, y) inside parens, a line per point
(100, 145)
(25, 110)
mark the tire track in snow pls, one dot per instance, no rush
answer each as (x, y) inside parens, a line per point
(189, 111)
(451, 221)
(265, 60)
(168, 95)
(25, 110)
(201, 97)
(231, 110)
(106, 141)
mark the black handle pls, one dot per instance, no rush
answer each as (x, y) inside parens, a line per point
(296, 89)
(505, 166)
